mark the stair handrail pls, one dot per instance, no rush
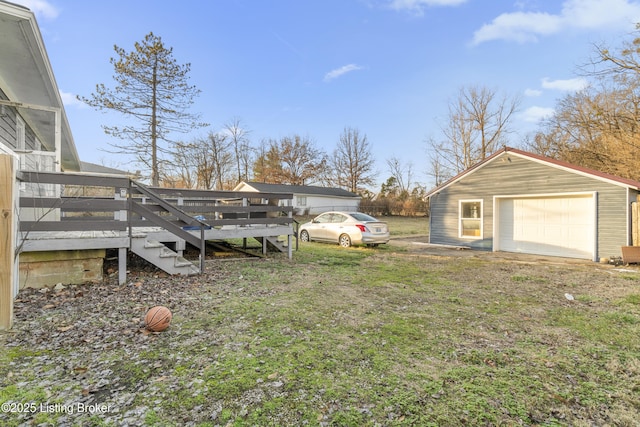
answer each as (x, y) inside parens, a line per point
(168, 225)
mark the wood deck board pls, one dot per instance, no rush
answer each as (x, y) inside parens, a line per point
(95, 239)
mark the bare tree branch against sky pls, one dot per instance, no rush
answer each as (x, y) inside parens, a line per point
(386, 67)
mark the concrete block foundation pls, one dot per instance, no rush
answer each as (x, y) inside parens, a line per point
(48, 268)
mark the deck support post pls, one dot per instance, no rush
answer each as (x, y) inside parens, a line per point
(123, 215)
(289, 242)
(122, 266)
(203, 249)
(7, 241)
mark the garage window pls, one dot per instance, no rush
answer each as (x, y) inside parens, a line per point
(471, 219)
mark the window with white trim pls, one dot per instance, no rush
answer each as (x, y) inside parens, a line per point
(470, 219)
(301, 200)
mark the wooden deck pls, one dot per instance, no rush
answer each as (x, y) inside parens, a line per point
(104, 239)
(73, 240)
(117, 211)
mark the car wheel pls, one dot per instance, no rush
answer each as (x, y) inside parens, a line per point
(304, 235)
(344, 240)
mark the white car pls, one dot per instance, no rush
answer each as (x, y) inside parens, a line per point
(346, 229)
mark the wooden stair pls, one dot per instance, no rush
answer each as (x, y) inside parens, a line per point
(162, 257)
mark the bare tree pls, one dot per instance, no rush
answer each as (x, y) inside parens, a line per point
(242, 150)
(599, 126)
(302, 162)
(267, 166)
(182, 170)
(437, 168)
(623, 61)
(476, 126)
(205, 163)
(352, 162)
(291, 160)
(153, 90)
(221, 160)
(402, 174)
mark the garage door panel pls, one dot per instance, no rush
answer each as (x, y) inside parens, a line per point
(559, 226)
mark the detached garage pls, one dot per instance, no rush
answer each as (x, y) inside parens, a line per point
(516, 201)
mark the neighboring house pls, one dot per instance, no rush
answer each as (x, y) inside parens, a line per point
(517, 201)
(308, 199)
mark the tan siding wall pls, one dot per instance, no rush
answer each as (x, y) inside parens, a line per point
(512, 175)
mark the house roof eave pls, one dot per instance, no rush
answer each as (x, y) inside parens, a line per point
(29, 79)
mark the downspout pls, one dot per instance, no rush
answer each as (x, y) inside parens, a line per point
(58, 138)
(430, 216)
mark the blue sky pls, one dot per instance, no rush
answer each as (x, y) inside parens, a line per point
(313, 67)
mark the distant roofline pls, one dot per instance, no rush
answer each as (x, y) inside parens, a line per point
(305, 189)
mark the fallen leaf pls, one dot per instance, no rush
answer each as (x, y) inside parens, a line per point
(48, 306)
(65, 328)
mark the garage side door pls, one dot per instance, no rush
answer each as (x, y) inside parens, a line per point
(558, 226)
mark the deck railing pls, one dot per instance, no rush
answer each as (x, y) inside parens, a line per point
(119, 204)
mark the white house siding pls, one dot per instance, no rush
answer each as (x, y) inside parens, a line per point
(318, 204)
(510, 174)
(309, 200)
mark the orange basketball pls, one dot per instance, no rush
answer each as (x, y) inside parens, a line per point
(158, 318)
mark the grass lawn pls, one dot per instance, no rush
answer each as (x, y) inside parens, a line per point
(339, 337)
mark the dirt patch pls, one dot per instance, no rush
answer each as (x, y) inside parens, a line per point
(421, 245)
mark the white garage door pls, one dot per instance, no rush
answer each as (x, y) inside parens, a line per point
(558, 226)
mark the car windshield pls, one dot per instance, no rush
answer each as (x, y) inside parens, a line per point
(363, 217)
